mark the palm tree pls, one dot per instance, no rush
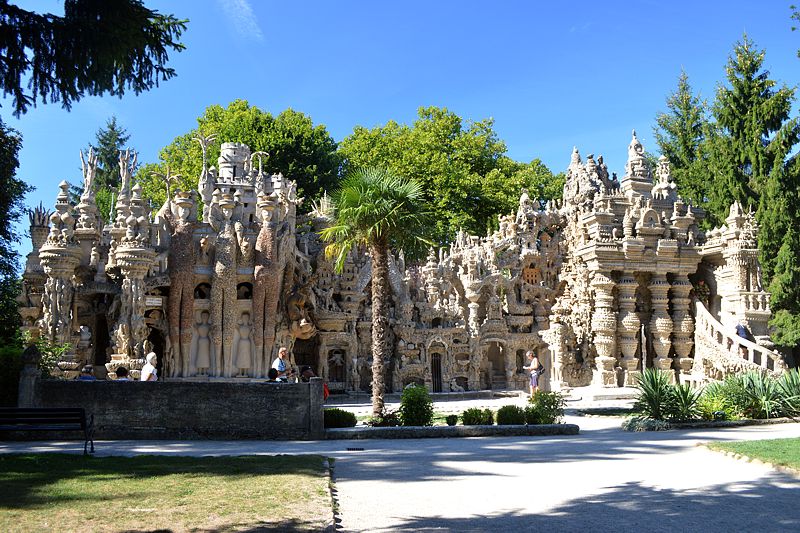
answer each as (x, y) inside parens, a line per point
(380, 211)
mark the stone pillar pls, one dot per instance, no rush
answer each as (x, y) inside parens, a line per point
(59, 256)
(604, 326)
(660, 322)
(683, 324)
(628, 328)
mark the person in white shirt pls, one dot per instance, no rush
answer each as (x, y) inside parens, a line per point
(149, 372)
(279, 364)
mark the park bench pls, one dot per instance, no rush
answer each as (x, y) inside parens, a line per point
(49, 419)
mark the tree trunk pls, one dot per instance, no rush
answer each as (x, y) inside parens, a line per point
(380, 322)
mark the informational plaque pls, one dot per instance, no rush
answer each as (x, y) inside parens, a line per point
(152, 301)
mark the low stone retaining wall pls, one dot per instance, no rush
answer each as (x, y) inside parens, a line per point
(418, 432)
(198, 410)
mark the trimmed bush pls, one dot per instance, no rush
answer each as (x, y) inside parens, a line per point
(640, 423)
(545, 408)
(10, 368)
(509, 415)
(451, 420)
(338, 418)
(416, 406)
(477, 417)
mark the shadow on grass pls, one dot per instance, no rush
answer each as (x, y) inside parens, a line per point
(24, 478)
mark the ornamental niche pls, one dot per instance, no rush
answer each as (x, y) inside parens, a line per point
(614, 277)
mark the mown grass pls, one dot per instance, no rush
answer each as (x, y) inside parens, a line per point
(783, 452)
(47, 492)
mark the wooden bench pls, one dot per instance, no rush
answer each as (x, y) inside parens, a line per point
(49, 419)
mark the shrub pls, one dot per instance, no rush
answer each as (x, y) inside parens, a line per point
(713, 404)
(683, 403)
(338, 418)
(641, 423)
(10, 368)
(545, 408)
(451, 420)
(789, 385)
(477, 417)
(763, 398)
(655, 394)
(416, 406)
(387, 419)
(510, 415)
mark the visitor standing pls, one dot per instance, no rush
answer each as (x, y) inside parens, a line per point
(535, 368)
(149, 372)
(122, 374)
(87, 374)
(280, 364)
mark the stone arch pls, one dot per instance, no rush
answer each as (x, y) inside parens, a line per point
(244, 291)
(202, 291)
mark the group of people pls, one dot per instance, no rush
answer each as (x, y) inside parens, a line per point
(279, 373)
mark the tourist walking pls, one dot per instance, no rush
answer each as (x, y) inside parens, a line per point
(536, 370)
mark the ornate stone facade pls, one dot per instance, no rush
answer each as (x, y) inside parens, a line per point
(599, 284)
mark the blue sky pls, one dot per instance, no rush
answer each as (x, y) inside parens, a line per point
(552, 75)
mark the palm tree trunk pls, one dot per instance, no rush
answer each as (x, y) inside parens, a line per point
(380, 321)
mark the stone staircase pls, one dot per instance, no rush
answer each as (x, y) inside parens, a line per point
(720, 352)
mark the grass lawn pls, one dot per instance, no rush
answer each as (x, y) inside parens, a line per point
(61, 492)
(784, 452)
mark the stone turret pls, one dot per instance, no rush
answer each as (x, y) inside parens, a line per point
(638, 179)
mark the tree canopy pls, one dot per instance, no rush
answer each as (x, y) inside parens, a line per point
(12, 192)
(466, 176)
(302, 151)
(97, 47)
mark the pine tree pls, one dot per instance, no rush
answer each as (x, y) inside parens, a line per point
(109, 140)
(680, 133)
(753, 131)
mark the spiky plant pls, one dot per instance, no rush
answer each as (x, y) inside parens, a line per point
(684, 403)
(655, 394)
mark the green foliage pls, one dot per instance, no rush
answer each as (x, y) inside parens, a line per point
(466, 177)
(451, 420)
(714, 403)
(374, 207)
(641, 423)
(680, 133)
(762, 396)
(385, 419)
(51, 353)
(10, 368)
(475, 416)
(510, 415)
(655, 394)
(12, 192)
(545, 408)
(297, 148)
(95, 48)
(789, 385)
(684, 403)
(416, 406)
(338, 418)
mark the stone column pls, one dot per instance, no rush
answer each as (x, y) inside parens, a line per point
(59, 256)
(628, 328)
(604, 326)
(660, 322)
(683, 324)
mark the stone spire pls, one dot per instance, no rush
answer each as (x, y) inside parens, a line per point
(638, 179)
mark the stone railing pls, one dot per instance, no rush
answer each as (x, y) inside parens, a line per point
(756, 301)
(719, 353)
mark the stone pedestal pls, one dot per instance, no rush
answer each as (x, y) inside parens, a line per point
(628, 329)
(604, 326)
(660, 323)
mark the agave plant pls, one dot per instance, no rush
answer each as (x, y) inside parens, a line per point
(789, 385)
(683, 404)
(763, 396)
(655, 394)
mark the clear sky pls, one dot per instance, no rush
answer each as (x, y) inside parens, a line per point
(551, 74)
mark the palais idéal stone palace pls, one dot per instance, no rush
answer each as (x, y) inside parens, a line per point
(614, 276)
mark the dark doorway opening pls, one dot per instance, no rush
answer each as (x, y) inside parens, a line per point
(436, 372)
